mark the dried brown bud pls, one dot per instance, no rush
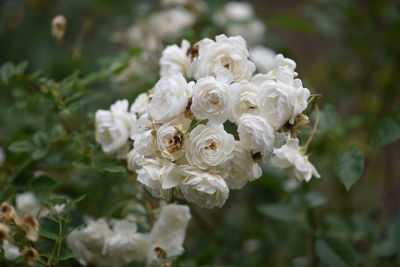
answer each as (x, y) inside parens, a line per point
(59, 27)
(31, 227)
(4, 230)
(8, 214)
(30, 255)
(194, 51)
(160, 253)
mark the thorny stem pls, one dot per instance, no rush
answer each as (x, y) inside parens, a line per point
(314, 130)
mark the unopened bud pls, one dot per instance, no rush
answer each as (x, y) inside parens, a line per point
(31, 227)
(30, 255)
(59, 27)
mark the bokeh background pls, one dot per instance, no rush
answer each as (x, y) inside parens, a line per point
(347, 51)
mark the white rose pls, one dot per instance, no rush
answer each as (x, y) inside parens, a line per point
(281, 61)
(246, 100)
(213, 97)
(140, 104)
(242, 167)
(282, 100)
(263, 57)
(113, 128)
(209, 145)
(169, 99)
(143, 135)
(290, 157)
(168, 234)
(125, 244)
(234, 11)
(158, 177)
(132, 158)
(27, 204)
(87, 243)
(255, 132)
(169, 23)
(174, 60)
(225, 53)
(206, 189)
(170, 139)
(252, 31)
(10, 251)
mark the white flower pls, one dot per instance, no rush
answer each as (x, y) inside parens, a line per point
(113, 128)
(132, 158)
(143, 135)
(168, 234)
(174, 60)
(206, 189)
(125, 244)
(170, 98)
(140, 104)
(234, 11)
(158, 177)
(170, 141)
(252, 31)
(209, 145)
(11, 252)
(290, 157)
(87, 243)
(281, 61)
(27, 204)
(282, 100)
(213, 97)
(263, 57)
(225, 53)
(246, 100)
(242, 167)
(255, 132)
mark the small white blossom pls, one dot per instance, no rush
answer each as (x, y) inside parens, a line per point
(27, 204)
(263, 57)
(125, 244)
(255, 132)
(281, 100)
(87, 243)
(290, 157)
(168, 234)
(140, 105)
(175, 60)
(252, 31)
(234, 11)
(113, 128)
(246, 100)
(170, 140)
(158, 177)
(143, 135)
(213, 97)
(242, 167)
(206, 189)
(170, 98)
(224, 53)
(10, 251)
(209, 145)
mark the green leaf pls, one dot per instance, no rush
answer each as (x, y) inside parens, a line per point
(43, 183)
(40, 139)
(115, 169)
(48, 235)
(20, 146)
(349, 166)
(6, 72)
(334, 252)
(387, 129)
(66, 256)
(39, 153)
(279, 212)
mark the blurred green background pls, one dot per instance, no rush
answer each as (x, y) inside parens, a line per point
(348, 51)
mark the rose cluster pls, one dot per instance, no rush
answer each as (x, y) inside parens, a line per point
(118, 243)
(175, 136)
